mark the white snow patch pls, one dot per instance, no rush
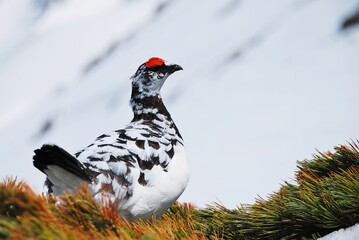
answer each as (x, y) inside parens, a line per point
(351, 233)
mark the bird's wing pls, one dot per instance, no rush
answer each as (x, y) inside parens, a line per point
(124, 156)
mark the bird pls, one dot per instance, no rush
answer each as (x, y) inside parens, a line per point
(143, 167)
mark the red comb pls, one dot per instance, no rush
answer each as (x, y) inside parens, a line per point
(154, 61)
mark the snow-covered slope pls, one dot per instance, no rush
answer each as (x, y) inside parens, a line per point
(351, 233)
(264, 82)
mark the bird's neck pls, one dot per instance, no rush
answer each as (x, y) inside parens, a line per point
(146, 106)
(149, 109)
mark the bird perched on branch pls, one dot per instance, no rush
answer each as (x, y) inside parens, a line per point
(143, 167)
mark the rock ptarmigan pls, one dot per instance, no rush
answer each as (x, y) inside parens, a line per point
(143, 166)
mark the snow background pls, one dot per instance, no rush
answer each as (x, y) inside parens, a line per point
(265, 83)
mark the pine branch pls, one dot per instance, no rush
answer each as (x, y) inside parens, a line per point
(324, 198)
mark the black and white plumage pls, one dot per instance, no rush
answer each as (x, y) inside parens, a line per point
(143, 167)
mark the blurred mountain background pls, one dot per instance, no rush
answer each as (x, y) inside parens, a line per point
(264, 82)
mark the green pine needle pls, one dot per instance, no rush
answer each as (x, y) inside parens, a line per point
(324, 198)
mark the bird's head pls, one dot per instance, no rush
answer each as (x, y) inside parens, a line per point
(151, 75)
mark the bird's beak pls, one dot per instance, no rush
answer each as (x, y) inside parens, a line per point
(173, 68)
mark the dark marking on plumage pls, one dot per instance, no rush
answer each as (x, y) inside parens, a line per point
(140, 144)
(94, 159)
(128, 159)
(153, 144)
(121, 179)
(174, 142)
(145, 164)
(110, 145)
(141, 179)
(165, 143)
(151, 134)
(164, 165)
(170, 153)
(154, 134)
(78, 153)
(157, 127)
(171, 135)
(92, 174)
(155, 160)
(128, 194)
(112, 159)
(102, 136)
(88, 165)
(123, 136)
(121, 141)
(173, 125)
(139, 101)
(151, 162)
(146, 135)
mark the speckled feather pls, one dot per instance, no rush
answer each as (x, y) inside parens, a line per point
(144, 166)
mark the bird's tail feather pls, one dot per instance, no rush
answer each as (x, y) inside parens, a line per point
(64, 172)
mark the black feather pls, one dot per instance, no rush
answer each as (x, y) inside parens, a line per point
(54, 155)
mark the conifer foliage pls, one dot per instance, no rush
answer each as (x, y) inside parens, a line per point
(323, 198)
